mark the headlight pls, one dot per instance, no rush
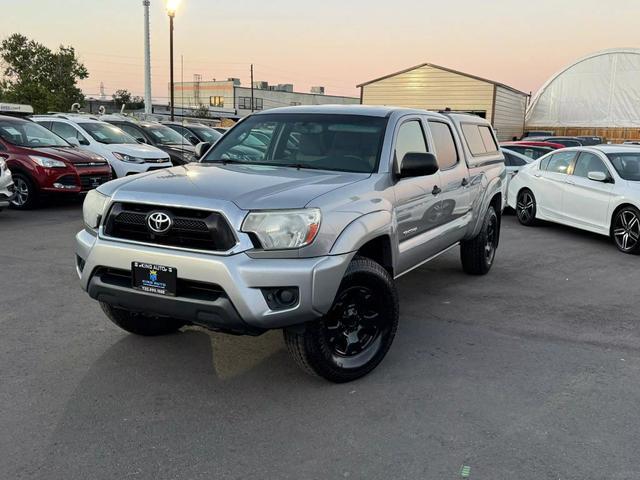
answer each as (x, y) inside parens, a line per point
(283, 229)
(47, 162)
(127, 158)
(93, 208)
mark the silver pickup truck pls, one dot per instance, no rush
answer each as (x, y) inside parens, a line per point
(298, 219)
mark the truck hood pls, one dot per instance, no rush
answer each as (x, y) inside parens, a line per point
(250, 187)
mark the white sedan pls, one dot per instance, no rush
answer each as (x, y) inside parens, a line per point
(592, 188)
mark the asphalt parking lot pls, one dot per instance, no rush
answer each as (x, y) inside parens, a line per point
(529, 373)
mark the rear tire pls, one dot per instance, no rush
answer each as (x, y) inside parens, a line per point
(625, 230)
(477, 255)
(526, 207)
(356, 334)
(141, 324)
(26, 196)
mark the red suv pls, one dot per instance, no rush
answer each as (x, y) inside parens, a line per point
(42, 162)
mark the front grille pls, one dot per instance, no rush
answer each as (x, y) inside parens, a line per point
(193, 229)
(156, 160)
(90, 164)
(89, 182)
(184, 288)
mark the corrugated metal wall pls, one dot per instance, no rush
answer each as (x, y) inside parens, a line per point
(432, 89)
(510, 108)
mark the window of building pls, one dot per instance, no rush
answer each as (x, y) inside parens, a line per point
(216, 101)
(244, 103)
(295, 104)
(444, 145)
(410, 140)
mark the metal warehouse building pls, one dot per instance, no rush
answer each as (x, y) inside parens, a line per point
(433, 87)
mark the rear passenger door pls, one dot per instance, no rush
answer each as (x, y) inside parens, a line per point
(415, 198)
(550, 188)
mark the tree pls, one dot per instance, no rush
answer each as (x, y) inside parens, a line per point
(125, 97)
(36, 75)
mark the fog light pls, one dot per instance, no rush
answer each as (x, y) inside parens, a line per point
(61, 186)
(280, 298)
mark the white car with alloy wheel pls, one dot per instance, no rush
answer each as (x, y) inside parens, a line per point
(124, 153)
(591, 188)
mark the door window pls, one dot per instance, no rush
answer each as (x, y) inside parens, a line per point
(560, 162)
(444, 144)
(589, 162)
(512, 160)
(133, 131)
(410, 140)
(67, 131)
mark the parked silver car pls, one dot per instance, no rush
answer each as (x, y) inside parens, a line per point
(7, 189)
(306, 234)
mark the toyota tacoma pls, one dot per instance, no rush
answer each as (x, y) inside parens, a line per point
(304, 231)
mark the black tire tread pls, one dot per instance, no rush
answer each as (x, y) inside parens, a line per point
(472, 254)
(304, 350)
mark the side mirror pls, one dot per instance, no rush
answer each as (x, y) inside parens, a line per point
(598, 176)
(201, 149)
(418, 165)
(73, 141)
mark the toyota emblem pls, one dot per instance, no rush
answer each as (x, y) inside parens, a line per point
(159, 222)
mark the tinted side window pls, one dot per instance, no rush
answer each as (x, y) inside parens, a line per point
(588, 162)
(410, 140)
(507, 158)
(487, 137)
(560, 162)
(133, 131)
(513, 161)
(67, 131)
(474, 139)
(444, 145)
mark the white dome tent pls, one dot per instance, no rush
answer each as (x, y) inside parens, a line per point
(601, 90)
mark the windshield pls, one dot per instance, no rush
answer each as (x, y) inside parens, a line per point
(163, 135)
(106, 133)
(206, 134)
(347, 143)
(29, 134)
(627, 165)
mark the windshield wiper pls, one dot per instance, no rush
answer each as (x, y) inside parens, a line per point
(226, 161)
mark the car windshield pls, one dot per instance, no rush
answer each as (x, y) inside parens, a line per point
(206, 134)
(347, 143)
(627, 165)
(163, 135)
(29, 134)
(105, 133)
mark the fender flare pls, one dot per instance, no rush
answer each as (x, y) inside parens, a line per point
(364, 229)
(493, 187)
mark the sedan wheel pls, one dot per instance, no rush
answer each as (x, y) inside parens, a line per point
(626, 230)
(526, 208)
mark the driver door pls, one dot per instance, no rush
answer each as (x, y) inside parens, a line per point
(414, 198)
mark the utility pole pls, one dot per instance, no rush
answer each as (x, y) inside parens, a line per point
(252, 102)
(171, 64)
(147, 59)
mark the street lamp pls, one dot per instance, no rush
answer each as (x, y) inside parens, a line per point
(172, 6)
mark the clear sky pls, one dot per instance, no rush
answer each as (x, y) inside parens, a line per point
(335, 43)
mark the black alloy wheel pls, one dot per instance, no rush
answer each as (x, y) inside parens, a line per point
(626, 230)
(526, 207)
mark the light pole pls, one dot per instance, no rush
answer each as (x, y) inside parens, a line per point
(172, 6)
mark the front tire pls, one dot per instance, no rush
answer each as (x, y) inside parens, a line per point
(141, 324)
(477, 255)
(26, 196)
(356, 334)
(625, 230)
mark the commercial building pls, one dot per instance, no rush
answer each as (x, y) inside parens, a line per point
(433, 87)
(596, 95)
(229, 97)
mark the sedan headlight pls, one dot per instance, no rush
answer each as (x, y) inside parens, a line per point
(127, 158)
(283, 229)
(93, 208)
(47, 162)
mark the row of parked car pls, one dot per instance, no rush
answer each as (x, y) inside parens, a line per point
(74, 153)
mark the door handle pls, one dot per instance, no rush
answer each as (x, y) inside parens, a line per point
(436, 190)
(465, 182)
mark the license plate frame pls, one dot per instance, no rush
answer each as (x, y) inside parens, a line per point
(154, 278)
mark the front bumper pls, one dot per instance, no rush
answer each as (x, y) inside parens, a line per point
(7, 190)
(241, 308)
